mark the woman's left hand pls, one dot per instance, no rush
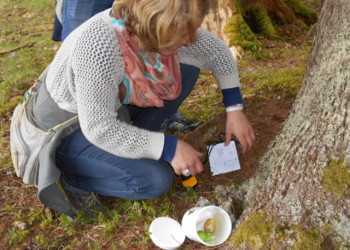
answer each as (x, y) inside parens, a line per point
(238, 125)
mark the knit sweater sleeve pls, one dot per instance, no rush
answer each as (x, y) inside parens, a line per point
(210, 52)
(98, 68)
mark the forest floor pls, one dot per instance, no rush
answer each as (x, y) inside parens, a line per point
(270, 80)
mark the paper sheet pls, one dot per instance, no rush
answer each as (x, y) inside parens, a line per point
(223, 159)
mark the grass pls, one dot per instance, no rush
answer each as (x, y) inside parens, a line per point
(272, 73)
(269, 73)
(46, 230)
(274, 83)
(22, 22)
(204, 101)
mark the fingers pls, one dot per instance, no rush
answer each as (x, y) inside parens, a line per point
(228, 138)
(247, 141)
(245, 144)
(196, 167)
(199, 154)
(253, 136)
(186, 157)
(238, 125)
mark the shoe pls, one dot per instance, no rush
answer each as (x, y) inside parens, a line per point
(87, 202)
(180, 124)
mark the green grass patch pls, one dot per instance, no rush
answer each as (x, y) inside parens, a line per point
(26, 49)
(18, 71)
(35, 5)
(272, 82)
(23, 22)
(205, 101)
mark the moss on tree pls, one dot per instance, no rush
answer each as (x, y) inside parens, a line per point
(308, 15)
(254, 231)
(308, 239)
(251, 17)
(239, 34)
(258, 20)
(337, 178)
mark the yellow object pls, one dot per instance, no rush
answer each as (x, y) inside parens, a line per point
(190, 181)
(209, 225)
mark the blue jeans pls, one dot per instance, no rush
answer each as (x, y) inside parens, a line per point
(74, 13)
(86, 168)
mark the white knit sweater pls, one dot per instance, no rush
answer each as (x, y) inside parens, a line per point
(84, 77)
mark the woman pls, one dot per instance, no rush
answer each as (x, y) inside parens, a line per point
(120, 73)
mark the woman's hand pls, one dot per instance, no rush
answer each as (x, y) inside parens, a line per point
(238, 125)
(186, 157)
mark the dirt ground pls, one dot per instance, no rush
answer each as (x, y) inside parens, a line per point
(267, 118)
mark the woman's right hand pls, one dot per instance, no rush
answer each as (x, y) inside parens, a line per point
(186, 157)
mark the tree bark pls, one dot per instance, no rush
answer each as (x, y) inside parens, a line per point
(246, 18)
(216, 20)
(289, 186)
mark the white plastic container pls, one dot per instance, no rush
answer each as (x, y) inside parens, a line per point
(194, 219)
(166, 233)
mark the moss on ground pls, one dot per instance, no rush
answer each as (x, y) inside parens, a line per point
(337, 178)
(254, 231)
(204, 102)
(274, 83)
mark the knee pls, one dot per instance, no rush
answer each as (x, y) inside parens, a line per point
(158, 183)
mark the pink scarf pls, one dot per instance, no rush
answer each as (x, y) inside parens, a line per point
(149, 78)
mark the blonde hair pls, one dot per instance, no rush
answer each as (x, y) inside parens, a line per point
(161, 23)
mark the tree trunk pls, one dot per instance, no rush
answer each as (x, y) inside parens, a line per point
(217, 19)
(300, 196)
(237, 21)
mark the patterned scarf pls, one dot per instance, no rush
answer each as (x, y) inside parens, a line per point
(149, 78)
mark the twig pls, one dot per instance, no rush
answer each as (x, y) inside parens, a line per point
(17, 48)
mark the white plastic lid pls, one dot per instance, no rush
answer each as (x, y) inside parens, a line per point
(166, 233)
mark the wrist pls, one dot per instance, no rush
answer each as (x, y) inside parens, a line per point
(234, 107)
(169, 149)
